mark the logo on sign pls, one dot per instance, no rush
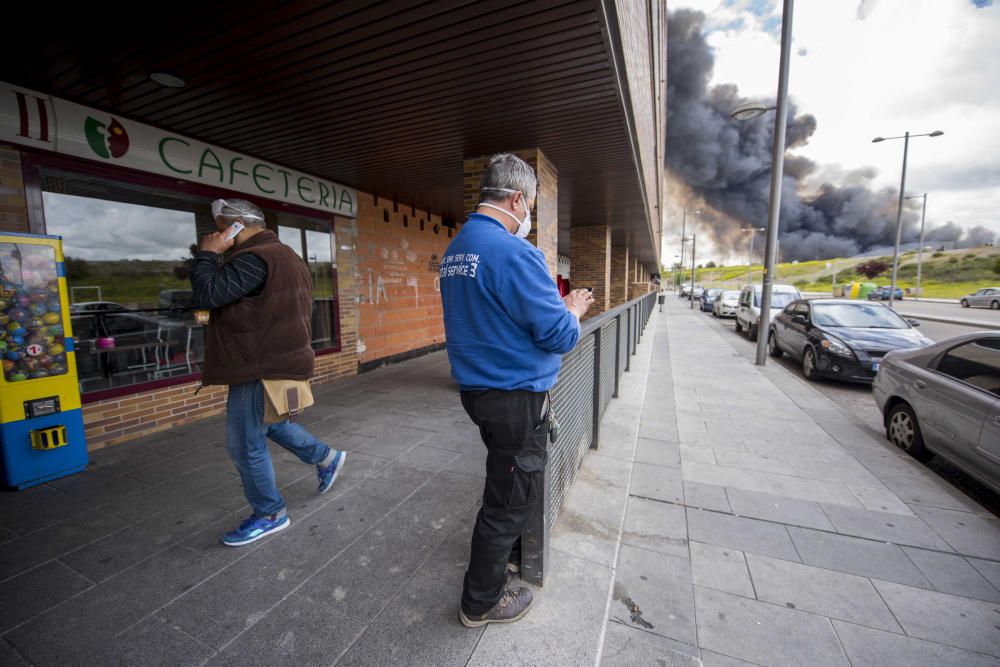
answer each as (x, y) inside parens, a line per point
(34, 350)
(107, 140)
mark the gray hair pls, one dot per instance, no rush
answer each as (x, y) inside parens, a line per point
(248, 212)
(506, 171)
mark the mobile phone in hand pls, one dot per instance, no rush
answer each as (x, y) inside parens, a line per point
(234, 230)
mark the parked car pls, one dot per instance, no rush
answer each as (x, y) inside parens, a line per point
(882, 294)
(708, 299)
(945, 399)
(685, 290)
(699, 291)
(841, 339)
(988, 297)
(727, 304)
(748, 308)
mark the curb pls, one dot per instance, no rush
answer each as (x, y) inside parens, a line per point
(952, 320)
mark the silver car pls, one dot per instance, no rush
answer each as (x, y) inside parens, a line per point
(945, 399)
(988, 297)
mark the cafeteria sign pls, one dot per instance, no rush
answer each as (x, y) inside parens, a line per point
(49, 123)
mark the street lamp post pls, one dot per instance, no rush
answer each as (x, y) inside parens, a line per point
(746, 112)
(694, 242)
(920, 250)
(753, 232)
(684, 231)
(899, 209)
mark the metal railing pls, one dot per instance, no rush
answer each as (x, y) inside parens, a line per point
(588, 380)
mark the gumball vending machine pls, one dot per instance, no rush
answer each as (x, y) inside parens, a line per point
(41, 423)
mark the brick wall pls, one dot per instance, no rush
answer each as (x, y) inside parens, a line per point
(13, 209)
(619, 275)
(544, 219)
(590, 257)
(397, 287)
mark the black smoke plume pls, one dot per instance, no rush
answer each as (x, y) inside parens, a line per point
(726, 163)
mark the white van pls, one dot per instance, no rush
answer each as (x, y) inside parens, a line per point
(748, 311)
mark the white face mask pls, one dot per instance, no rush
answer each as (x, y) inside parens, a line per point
(523, 226)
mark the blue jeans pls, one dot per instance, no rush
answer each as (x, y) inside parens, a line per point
(246, 439)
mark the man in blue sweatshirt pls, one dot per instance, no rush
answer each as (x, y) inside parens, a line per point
(507, 329)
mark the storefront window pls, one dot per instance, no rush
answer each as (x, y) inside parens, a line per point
(128, 250)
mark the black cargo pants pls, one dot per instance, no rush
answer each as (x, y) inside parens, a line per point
(514, 426)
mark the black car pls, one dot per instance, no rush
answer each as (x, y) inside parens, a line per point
(840, 338)
(882, 294)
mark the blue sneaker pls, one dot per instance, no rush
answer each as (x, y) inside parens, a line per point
(329, 473)
(254, 528)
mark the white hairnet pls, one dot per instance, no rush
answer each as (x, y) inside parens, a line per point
(236, 208)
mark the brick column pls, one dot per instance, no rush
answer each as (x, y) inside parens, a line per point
(544, 218)
(619, 275)
(590, 264)
(13, 206)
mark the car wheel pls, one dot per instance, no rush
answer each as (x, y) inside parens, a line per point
(772, 346)
(965, 304)
(809, 365)
(902, 430)
(995, 305)
(739, 325)
(752, 332)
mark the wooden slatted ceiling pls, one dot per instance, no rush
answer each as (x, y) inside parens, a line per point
(388, 97)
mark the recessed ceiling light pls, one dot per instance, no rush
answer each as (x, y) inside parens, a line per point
(168, 80)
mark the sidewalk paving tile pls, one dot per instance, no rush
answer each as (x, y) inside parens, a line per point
(657, 452)
(778, 509)
(749, 535)
(990, 569)
(969, 534)
(34, 591)
(854, 555)
(884, 526)
(572, 605)
(153, 642)
(953, 574)
(721, 568)
(295, 632)
(706, 496)
(867, 646)
(824, 592)
(34, 549)
(656, 526)
(713, 659)
(880, 500)
(657, 483)
(691, 454)
(591, 516)
(765, 633)
(626, 646)
(946, 619)
(653, 591)
(755, 462)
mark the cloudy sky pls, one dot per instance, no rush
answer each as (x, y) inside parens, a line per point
(866, 68)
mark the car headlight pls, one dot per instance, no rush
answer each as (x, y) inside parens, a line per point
(836, 347)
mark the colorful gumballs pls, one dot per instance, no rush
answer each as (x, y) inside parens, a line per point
(18, 314)
(4, 319)
(57, 369)
(38, 309)
(53, 306)
(23, 300)
(40, 373)
(56, 330)
(30, 364)
(16, 355)
(16, 340)
(17, 376)
(3, 347)
(56, 349)
(51, 318)
(46, 360)
(8, 366)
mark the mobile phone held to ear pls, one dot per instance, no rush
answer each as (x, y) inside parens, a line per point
(234, 230)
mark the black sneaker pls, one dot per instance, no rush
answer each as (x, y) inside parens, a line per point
(513, 605)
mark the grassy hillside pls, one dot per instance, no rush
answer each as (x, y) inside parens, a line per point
(947, 274)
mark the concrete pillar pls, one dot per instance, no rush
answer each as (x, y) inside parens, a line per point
(544, 218)
(590, 257)
(619, 275)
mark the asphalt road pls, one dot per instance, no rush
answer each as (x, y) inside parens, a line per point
(856, 400)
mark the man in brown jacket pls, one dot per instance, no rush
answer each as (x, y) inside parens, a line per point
(260, 329)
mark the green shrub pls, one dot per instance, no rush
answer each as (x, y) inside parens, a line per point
(938, 254)
(996, 266)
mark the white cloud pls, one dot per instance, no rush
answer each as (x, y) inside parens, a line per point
(882, 67)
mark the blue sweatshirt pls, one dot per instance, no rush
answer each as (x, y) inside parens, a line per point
(506, 325)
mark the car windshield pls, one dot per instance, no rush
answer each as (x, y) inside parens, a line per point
(714, 292)
(857, 315)
(730, 296)
(778, 299)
